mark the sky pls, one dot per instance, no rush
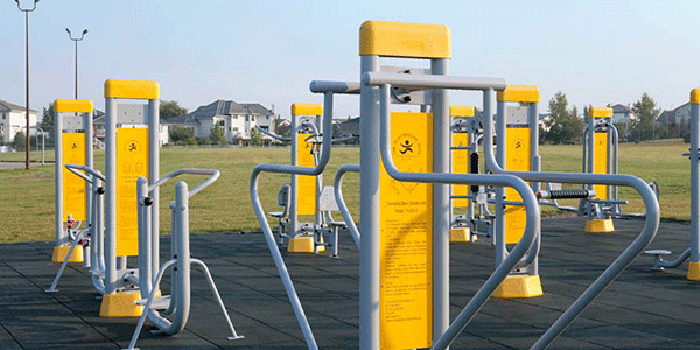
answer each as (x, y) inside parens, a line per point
(267, 52)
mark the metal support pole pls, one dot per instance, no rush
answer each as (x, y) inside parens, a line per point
(327, 103)
(153, 176)
(369, 209)
(58, 168)
(695, 183)
(26, 13)
(441, 203)
(534, 267)
(294, 186)
(76, 69)
(499, 229)
(87, 130)
(110, 194)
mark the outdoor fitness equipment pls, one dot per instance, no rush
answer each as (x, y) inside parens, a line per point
(385, 33)
(306, 195)
(465, 160)
(131, 151)
(177, 304)
(600, 157)
(693, 252)
(73, 200)
(92, 239)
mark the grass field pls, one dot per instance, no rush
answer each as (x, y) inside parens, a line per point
(27, 197)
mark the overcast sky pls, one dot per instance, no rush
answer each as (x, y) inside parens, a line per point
(597, 52)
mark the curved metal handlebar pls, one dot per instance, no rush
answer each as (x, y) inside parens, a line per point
(75, 167)
(213, 176)
(273, 135)
(341, 201)
(651, 224)
(532, 224)
(264, 224)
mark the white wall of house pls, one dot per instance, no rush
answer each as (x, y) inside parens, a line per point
(237, 126)
(14, 121)
(682, 113)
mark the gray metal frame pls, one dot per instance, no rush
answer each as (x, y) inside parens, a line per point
(693, 252)
(113, 278)
(178, 303)
(646, 235)
(61, 237)
(94, 257)
(530, 264)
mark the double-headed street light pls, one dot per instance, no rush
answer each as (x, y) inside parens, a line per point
(76, 39)
(26, 14)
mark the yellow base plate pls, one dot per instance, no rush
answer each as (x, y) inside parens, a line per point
(121, 305)
(60, 252)
(600, 226)
(460, 234)
(303, 245)
(519, 286)
(694, 271)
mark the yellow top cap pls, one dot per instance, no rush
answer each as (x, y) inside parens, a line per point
(461, 111)
(396, 39)
(132, 89)
(600, 112)
(519, 93)
(695, 96)
(72, 106)
(307, 109)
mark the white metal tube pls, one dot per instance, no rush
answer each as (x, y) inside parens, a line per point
(341, 201)
(369, 209)
(110, 194)
(374, 78)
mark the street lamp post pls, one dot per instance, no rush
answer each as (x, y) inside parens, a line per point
(76, 39)
(26, 16)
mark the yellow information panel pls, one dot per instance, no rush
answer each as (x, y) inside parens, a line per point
(517, 158)
(460, 165)
(600, 162)
(73, 186)
(406, 238)
(306, 184)
(132, 163)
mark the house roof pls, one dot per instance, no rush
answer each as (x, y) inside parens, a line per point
(11, 107)
(183, 120)
(352, 121)
(620, 108)
(230, 107)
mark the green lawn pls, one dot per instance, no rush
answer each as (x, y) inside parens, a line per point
(27, 197)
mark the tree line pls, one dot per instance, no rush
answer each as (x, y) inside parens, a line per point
(564, 125)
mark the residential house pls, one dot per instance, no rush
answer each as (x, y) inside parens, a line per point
(236, 119)
(125, 112)
(622, 118)
(13, 120)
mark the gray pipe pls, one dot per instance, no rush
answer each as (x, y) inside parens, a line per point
(529, 200)
(649, 231)
(341, 201)
(262, 219)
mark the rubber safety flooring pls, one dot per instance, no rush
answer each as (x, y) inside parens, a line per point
(640, 310)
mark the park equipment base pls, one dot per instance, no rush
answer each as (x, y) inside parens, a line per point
(60, 252)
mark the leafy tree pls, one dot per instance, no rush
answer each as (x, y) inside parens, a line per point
(182, 135)
(256, 137)
(170, 109)
(47, 121)
(643, 126)
(20, 141)
(564, 126)
(217, 135)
